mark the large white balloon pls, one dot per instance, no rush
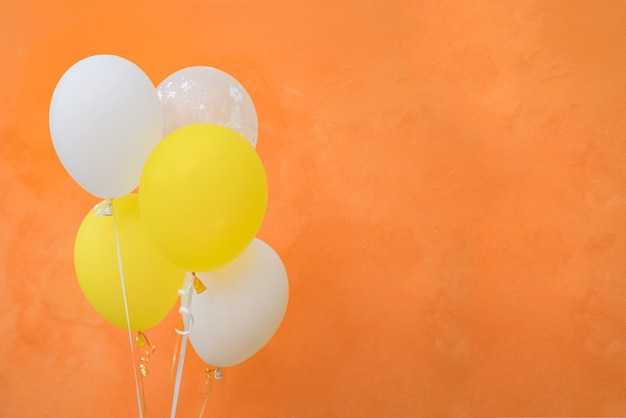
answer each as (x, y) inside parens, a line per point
(105, 119)
(207, 95)
(242, 307)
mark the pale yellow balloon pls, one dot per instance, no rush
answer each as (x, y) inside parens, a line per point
(152, 281)
(203, 195)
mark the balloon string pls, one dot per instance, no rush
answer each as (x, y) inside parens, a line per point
(209, 384)
(184, 310)
(143, 396)
(211, 376)
(179, 373)
(140, 397)
(173, 369)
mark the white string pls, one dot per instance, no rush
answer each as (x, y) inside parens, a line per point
(130, 335)
(185, 311)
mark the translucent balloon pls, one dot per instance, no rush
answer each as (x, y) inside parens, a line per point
(207, 95)
(105, 119)
(242, 307)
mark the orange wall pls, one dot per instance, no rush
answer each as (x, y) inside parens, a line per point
(447, 190)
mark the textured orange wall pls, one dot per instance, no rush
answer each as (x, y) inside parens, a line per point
(447, 190)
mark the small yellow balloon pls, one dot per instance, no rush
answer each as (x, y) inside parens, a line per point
(203, 195)
(152, 281)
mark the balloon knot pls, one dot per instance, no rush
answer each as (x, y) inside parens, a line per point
(197, 284)
(104, 208)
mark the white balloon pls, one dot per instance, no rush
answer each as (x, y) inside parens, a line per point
(242, 307)
(207, 95)
(105, 119)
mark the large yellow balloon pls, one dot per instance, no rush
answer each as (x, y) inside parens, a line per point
(203, 195)
(152, 281)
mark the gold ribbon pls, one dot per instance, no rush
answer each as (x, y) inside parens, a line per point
(211, 376)
(142, 341)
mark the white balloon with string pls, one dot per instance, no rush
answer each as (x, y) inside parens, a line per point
(242, 307)
(105, 120)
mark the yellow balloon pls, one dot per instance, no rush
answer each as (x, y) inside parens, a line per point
(152, 281)
(203, 195)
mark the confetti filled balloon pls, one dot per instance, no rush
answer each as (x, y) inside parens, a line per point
(207, 95)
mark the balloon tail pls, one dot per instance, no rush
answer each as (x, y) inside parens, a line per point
(197, 284)
(107, 210)
(104, 208)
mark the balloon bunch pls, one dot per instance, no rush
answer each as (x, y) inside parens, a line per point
(189, 145)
